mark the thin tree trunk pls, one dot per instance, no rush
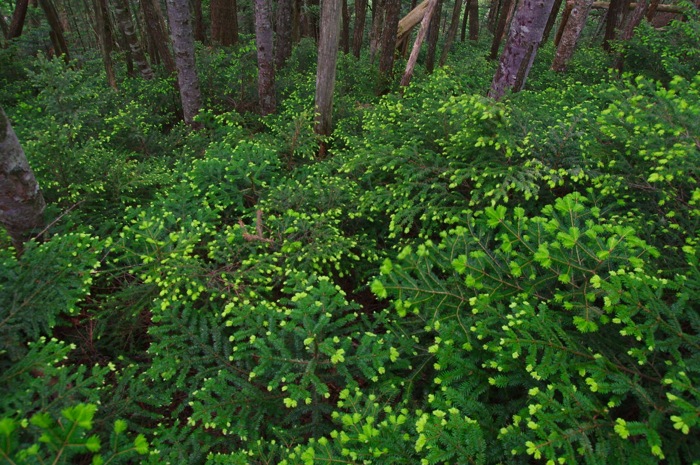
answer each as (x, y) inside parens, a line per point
(327, 59)
(433, 34)
(58, 39)
(224, 22)
(474, 20)
(4, 27)
(297, 6)
(266, 70)
(612, 22)
(465, 19)
(183, 45)
(121, 8)
(451, 32)
(631, 22)
(564, 21)
(377, 27)
(155, 26)
(284, 32)
(422, 32)
(506, 8)
(21, 202)
(359, 31)
(552, 19)
(494, 13)
(520, 50)
(198, 22)
(388, 45)
(345, 32)
(572, 32)
(17, 22)
(652, 9)
(104, 37)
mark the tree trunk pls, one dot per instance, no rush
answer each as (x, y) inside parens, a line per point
(520, 50)
(121, 8)
(433, 34)
(327, 58)
(451, 32)
(345, 33)
(155, 26)
(266, 70)
(183, 45)
(17, 22)
(377, 26)
(465, 18)
(474, 20)
(422, 32)
(388, 45)
(198, 22)
(284, 32)
(503, 16)
(297, 6)
(311, 18)
(224, 22)
(408, 22)
(574, 26)
(104, 37)
(633, 20)
(359, 31)
(58, 39)
(552, 19)
(612, 22)
(21, 202)
(564, 20)
(492, 17)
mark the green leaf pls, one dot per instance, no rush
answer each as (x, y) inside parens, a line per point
(81, 414)
(140, 444)
(119, 426)
(93, 443)
(378, 289)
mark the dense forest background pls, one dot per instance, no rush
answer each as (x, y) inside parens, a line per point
(299, 232)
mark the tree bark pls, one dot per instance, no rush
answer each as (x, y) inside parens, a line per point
(104, 36)
(408, 22)
(21, 202)
(451, 32)
(525, 35)
(564, 20)
(224, 22)
(359, 30)
(284, 32)
(552, 19)
(121, 8)
(492, 17)
(155, 26)
(422, 32)
(198, 22)
(266, 69)
(58, 39)
(327, 58)
(465, 19)
(633, 19)
(474, 20)
(377, 26)
(345, 31)
(612, 22)
(433, 34)
(18, 17)
(388, 45)
(503, 16)
(572, 32)
(183, 45)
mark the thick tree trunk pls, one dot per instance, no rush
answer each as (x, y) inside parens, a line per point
(21, 203)
(266, 69)
(224, 22)
(474, 20)
(284, 32)
(121, 8)
(451, 32)
(375, 38)
(155, 26)
(104, 36)
(359, 31)
(388, 45)
(327, 58)
(183, 45)
(501, 27)
(552, 19)
(17, 22)
(433, 34)
(525, 35)
(422, 32)
(574, 26)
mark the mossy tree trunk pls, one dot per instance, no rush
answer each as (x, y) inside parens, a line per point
(21, 202)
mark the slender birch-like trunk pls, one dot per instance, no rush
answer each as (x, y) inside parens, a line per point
(121, 8)
(422, 32)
